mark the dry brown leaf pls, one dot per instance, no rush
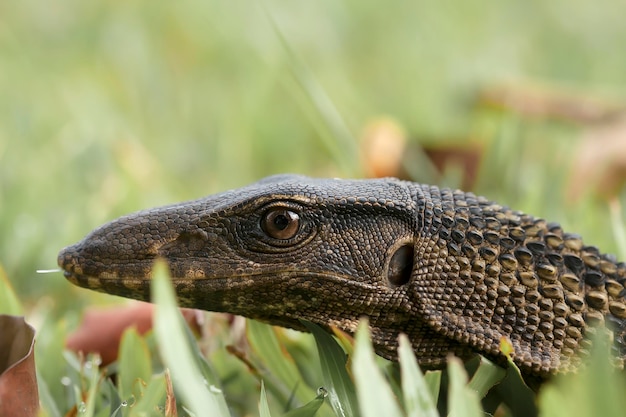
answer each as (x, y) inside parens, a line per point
(547, 102)
(383, 144)
(466, 158)
(386, 152)
(170, 398)
(599, 166)
(18, 381)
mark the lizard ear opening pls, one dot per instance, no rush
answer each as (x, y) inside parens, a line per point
(400, 266)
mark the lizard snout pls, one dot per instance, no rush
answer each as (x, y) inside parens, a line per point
(67, 260)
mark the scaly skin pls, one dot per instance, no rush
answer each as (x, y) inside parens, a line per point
(455, 272)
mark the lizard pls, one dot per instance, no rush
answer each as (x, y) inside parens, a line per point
(454, 271)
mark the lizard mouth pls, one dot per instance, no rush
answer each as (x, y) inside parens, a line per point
(134, 288)
(302, 296)
(193, 283)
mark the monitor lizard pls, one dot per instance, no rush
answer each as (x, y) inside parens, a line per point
(456, 272)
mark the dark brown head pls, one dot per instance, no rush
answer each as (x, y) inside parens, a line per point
(283, 249)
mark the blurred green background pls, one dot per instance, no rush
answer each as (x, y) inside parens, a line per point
(110, 107)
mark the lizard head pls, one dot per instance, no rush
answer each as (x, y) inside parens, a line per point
(457, 273)
(282, 249)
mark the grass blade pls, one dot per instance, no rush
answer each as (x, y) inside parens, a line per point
(417, 397)
(309, 409)
(486, 376)
(335, 132)
(264, 407)
(433, 380)
(89, 407)
(153, 394)
(337, 381)
(462, 400)
(375, 396)
(263, 340)
(176, 352)
(135, 365)
(596, 390)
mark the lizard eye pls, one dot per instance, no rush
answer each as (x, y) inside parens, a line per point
(280, 223)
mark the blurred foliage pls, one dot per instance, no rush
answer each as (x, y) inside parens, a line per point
(110, 107)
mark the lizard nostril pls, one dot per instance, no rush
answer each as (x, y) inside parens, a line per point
(400, 266)
(65, 260)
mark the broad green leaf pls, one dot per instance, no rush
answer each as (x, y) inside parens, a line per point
(106, 412)
(204, 366)
(433, 380)
(116, 407)
(555, 401)
(462, 400)
(47, 401)
(514, 392)
(309, 409)
(153, 394)
(264, 408)
(94, 385)
(393, 374)
(373, 392)
(279, 363)
(345, 340)
(51, 363)
(84, 380)
(134, 365)
(199, 396)
(596, 390)
(417, 398)
(79, 380)
(486, 376)
(337, 381)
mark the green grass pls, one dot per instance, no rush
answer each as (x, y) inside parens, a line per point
(359, 384)
(110, 107)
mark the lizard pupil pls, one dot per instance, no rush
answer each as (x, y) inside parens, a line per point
(280, 223)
